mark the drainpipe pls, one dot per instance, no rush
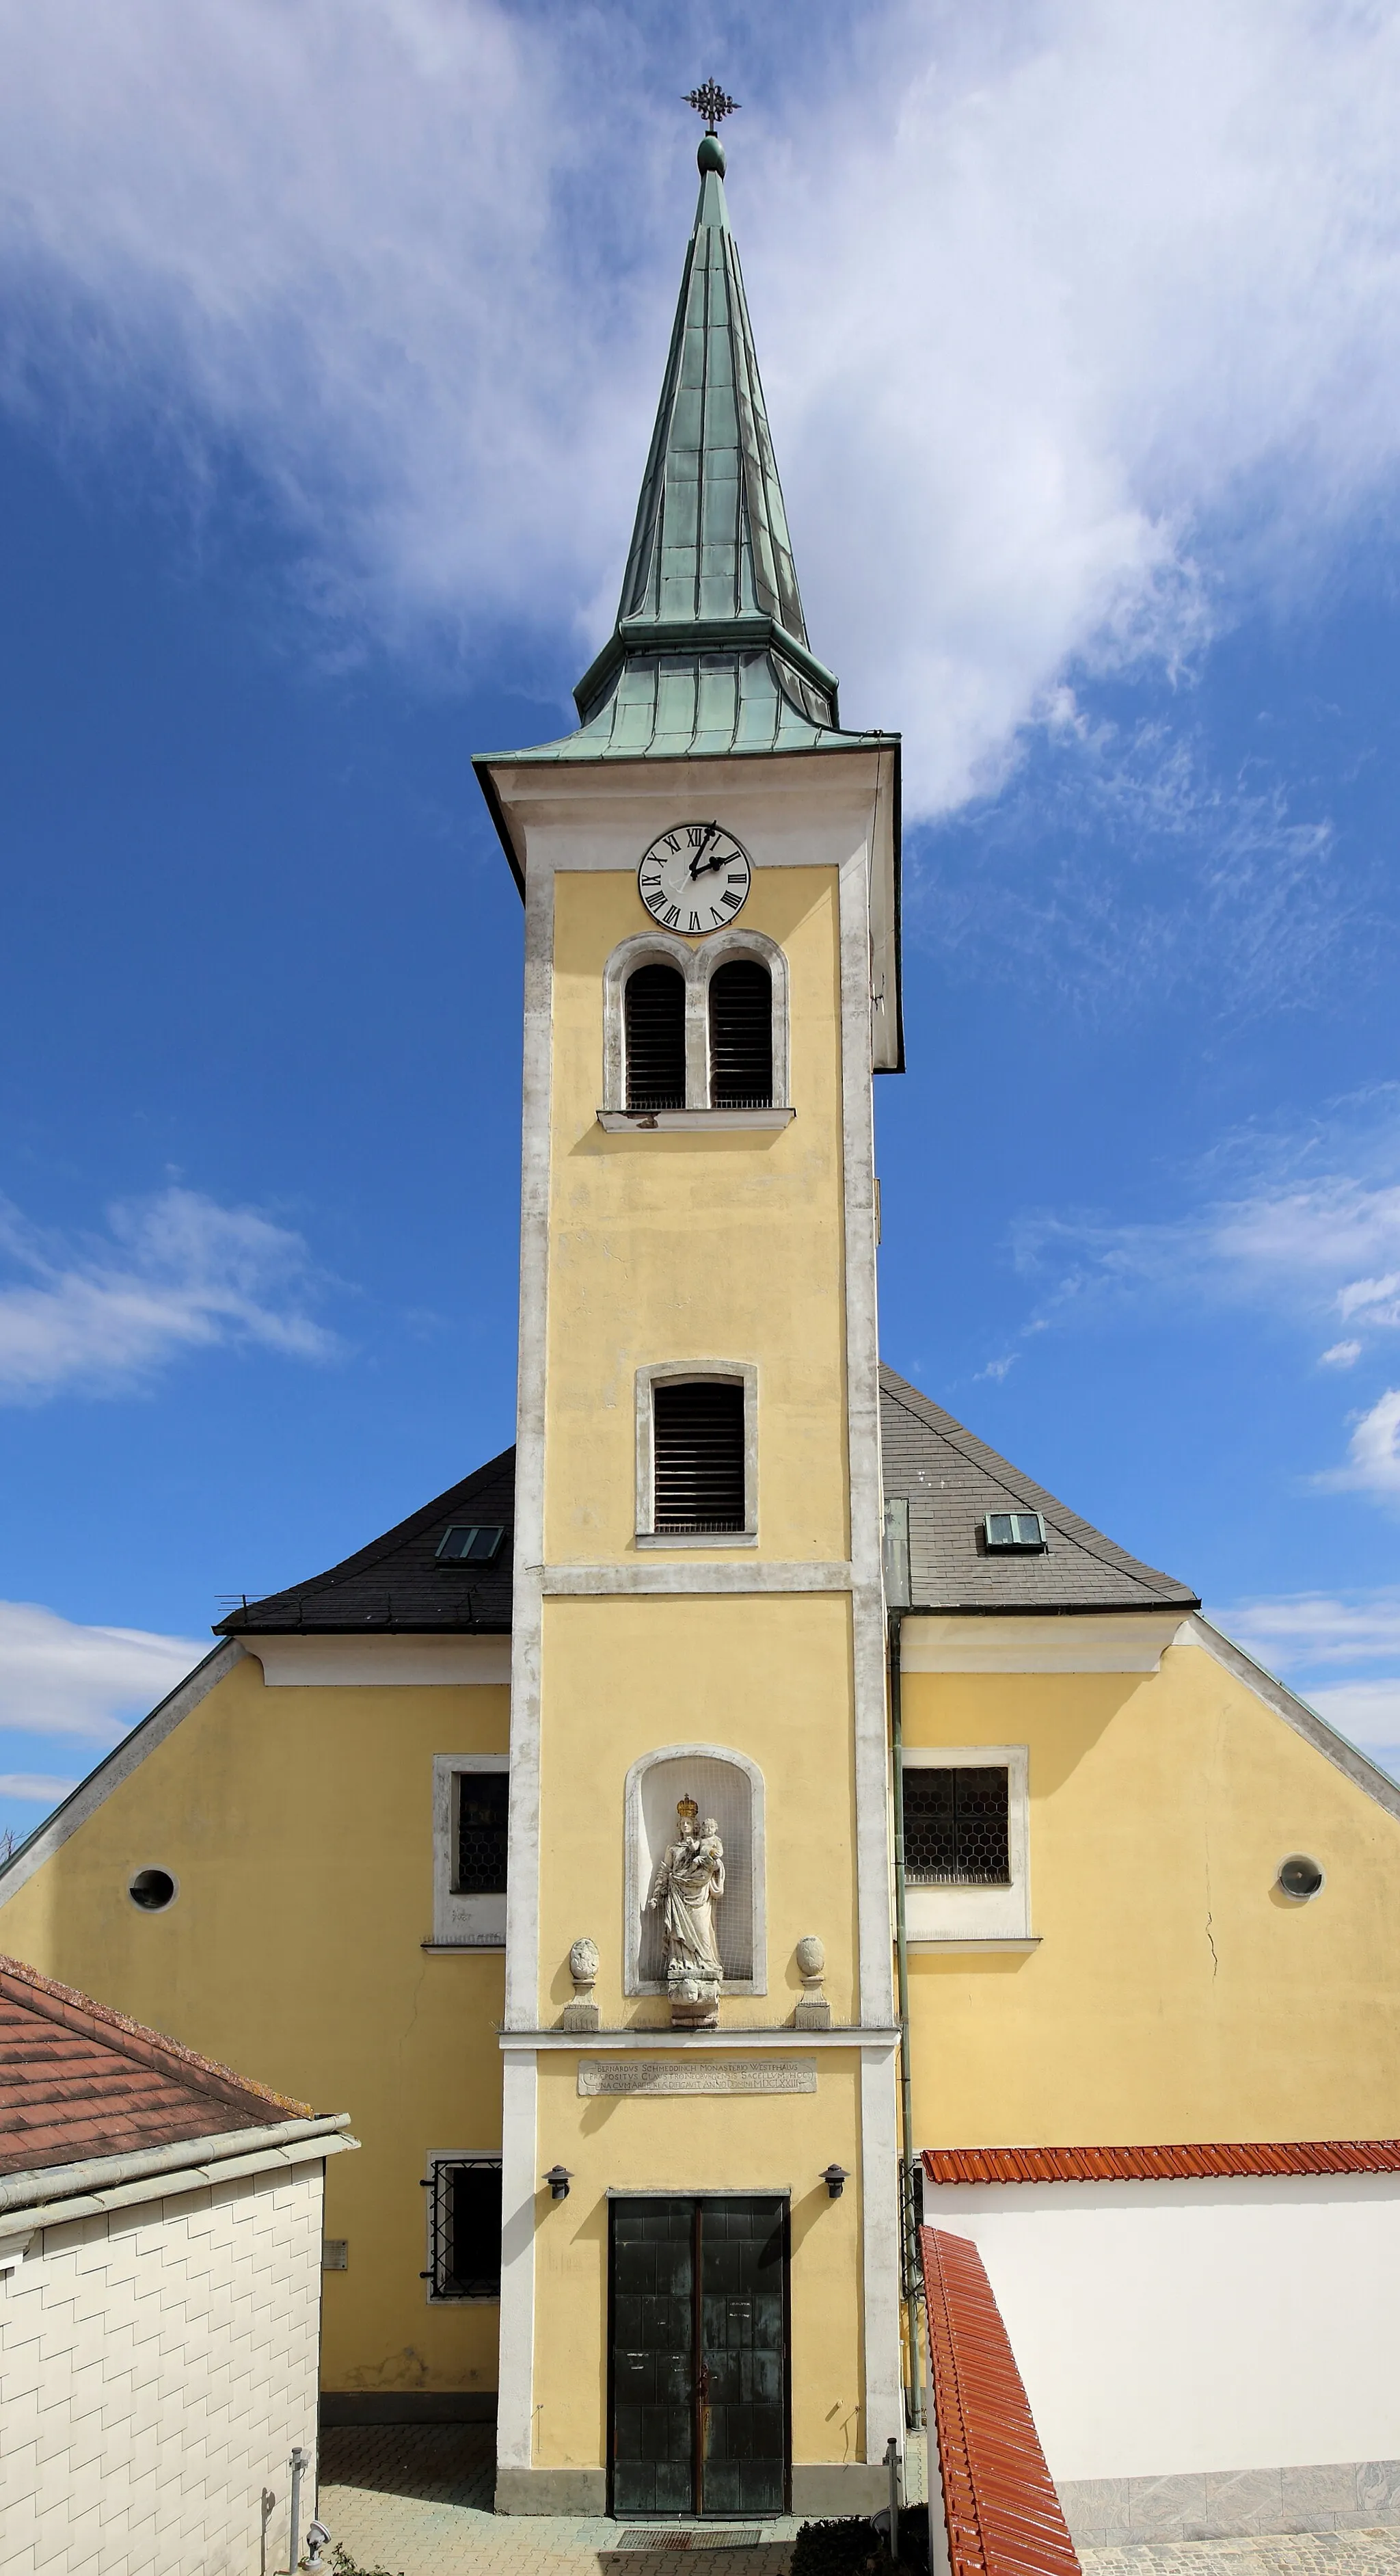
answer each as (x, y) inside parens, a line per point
(299, 2464)
(897, 1591)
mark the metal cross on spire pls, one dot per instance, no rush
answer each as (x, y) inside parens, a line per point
(711, 102)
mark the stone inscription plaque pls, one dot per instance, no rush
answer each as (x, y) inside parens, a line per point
(697, 2075)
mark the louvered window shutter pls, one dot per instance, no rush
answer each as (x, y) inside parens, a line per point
(741, 1035)
(654, 1018)
(698, 1437)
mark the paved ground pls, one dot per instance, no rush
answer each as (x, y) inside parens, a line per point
(415, 2500)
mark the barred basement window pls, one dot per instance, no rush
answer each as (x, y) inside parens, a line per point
(956, 1828)
(464, 2227)
(483, 1808)
(654, 1037)
(741, 1035)
(698, 1450)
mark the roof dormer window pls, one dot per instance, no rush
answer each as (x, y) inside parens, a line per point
(468, 1545)
(1015, 1533)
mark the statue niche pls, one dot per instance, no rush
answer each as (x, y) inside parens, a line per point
(687, 1887)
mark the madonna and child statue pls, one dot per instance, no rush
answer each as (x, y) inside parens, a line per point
(688, 1885)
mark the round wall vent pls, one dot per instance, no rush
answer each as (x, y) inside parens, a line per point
(1300, 1877)
(152, 1890)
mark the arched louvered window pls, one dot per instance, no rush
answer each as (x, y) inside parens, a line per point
(654, 1035)
(741, 1035)
(698, 1449)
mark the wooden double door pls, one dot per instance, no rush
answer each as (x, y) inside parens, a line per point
(698, 2376)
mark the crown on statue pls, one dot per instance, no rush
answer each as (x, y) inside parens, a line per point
(687, 1810)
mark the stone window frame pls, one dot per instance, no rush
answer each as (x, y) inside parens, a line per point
(461, 1922)
(696, 965)
(705, 1372)
(964, 1916)
(635, 1895)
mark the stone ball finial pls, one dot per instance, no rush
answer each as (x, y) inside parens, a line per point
(811, 1959)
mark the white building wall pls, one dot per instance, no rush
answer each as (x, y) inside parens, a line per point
(158, 2364)
(1169, 2329)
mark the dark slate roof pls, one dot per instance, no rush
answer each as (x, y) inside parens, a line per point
(952, 1480)
(396, 1582)
(77, 2080)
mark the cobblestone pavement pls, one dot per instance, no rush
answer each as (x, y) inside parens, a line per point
(415, 2500)
(1302, 2553)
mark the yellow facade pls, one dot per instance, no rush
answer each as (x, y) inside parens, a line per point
(696, 1246)
(1176, 1993)
(295, 1946)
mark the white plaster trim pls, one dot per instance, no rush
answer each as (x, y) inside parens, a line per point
(655, 2078)
(592, 1582)
(707, 1372)
(519, 2187)
(371, 1662)
(1360, 1770)
(880, 2043)
(880, 2255)
(523, 1869)
(436, 2156)
(867, 1504)
(978, 1914)
(96, 1789)
(634, 1894)
(1107, 1641)
(692, 1122)
(477, 1920)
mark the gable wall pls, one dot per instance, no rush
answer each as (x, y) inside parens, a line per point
(1175, 1993)
(298, 1822)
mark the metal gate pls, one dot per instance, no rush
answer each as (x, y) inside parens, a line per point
(698, 2377)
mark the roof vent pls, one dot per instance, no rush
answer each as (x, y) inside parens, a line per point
(1019, 1533)
(475, 1546)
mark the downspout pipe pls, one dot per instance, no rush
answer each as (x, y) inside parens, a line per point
(909, 2248)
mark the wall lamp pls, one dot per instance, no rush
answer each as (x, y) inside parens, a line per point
(558, 2179)
(835, 2178)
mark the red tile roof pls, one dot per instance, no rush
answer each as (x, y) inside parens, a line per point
(1159, 2164)
(77, 2081)
(1002, 2512)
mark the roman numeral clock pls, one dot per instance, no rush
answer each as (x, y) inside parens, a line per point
(694, 877)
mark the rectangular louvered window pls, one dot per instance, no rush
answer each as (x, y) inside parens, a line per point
(956, 1828)
(654, 1031)
(741, 1035)
(698, 1454)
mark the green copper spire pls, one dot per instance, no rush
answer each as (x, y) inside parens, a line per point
(709, 653)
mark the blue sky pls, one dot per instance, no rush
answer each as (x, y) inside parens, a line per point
(331, 343)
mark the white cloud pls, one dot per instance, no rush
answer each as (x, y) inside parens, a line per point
(34, 1787)
(1299, 1224)
(1373, 1453)
(1079, 321)
(59, 1678)
(1369, 1712)
(1316, 1628)
(174, 1273)
(996, 1370)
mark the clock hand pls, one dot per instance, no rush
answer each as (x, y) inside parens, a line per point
(700, 861)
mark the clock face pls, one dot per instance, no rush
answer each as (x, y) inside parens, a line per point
(694, 877)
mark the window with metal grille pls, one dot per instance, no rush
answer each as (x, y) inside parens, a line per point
(698, 1452)
(654, 1032)
(464, 2227)
(955, 1828)
(483, 1812)
(741, 1035)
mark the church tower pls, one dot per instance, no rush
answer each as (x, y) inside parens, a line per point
(699, 2301)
